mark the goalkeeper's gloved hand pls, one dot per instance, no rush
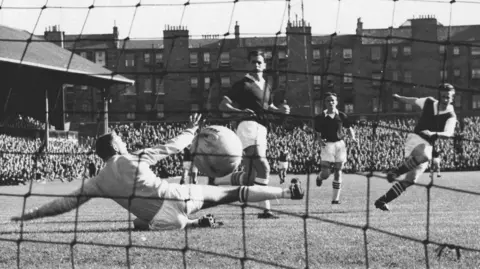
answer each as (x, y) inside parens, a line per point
(209, 221)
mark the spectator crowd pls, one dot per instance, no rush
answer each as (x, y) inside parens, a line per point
(380, 147)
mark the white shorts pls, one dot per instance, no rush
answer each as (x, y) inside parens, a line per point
(180, 201)
(283, 165)
(414, 140)
(252, 133)
(334, 152)
(188, 165)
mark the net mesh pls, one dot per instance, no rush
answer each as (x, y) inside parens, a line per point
(132, 11)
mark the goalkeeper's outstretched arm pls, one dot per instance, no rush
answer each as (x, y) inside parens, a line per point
(63, 204)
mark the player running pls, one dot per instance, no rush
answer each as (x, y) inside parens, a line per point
(157, 204)
(438, 119)
(283, 162)
(330, 124)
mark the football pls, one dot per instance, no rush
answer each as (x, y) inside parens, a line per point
(216, 151)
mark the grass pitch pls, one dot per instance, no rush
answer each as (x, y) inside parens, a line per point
(311, 232)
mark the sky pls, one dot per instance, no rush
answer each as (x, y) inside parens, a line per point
(202, 17)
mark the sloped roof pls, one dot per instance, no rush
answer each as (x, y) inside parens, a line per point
(91, 41)
(16, 48)
(378, 36)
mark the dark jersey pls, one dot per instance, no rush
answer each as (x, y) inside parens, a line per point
(248, 94)
(187, 156)
(284, 156)
(332, 129)
(429, 121)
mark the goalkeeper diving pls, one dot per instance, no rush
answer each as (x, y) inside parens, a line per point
(156, 203)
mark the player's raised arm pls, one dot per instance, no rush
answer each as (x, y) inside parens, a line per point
(410, 100)
(174, 145)
(63, 204)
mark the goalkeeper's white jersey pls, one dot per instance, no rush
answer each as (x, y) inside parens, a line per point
(128, 180)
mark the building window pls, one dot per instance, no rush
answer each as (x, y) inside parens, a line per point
(475, 50)
(207, 82)
(456, 50)
(268, 54)
(476, 102)
(130, 59)
(147, 86)
(317, 80)
(193, 58)
(441, 49)
(84, 87)
(349, 108)
(194, 107)
(131, 112)
(407, 51)
(408, 107)
(376, 77)
(159, 108)
(282, 55)
(457, 101)
(328, 53)
(395, 75)
(375, 53)
(376, 105)
(148, 107)
(158, 58)
(394, 52)
(85, 107)
(206, 57)
(407, 76)
(225, 58)
(348, 78)
(194, 82)
(443, 75)
(225, 81)
(146, 58)
(100, 58)
(396, 105)
(130, 90)
(347, 55)
(159, 86)
(83, 54)
(456, 72)
(475, 73)
(316, 54)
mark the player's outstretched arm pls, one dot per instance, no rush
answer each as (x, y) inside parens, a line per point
(174, 145)
(409, 100)
(63, 204)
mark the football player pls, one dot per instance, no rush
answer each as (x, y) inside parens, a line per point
(438, 119)
(157, 204)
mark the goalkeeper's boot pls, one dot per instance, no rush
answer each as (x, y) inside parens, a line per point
(296, 189)
(267, 214)
(392, 176)
(209, 221)
(381, 205)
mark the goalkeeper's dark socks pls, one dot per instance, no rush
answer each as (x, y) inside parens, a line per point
(396, 190)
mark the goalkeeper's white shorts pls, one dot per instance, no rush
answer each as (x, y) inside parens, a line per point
(180, 201)
(188, 165)
(253, 133)
(334, 152)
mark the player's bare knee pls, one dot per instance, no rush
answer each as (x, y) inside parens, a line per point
(262, 167)
(419, 154)
(261, 181)
(325, 173)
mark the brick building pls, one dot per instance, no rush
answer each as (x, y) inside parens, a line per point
(178, 74)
